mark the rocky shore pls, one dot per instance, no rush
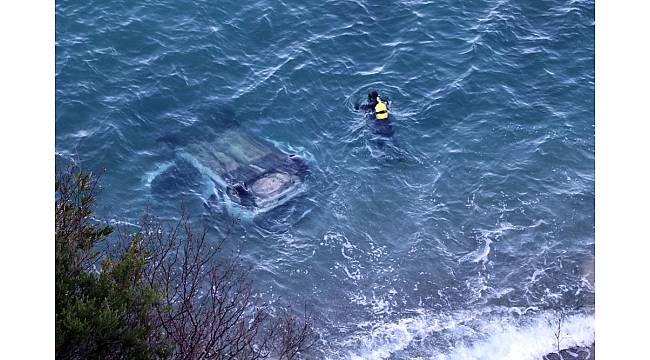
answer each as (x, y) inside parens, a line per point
(574, 353)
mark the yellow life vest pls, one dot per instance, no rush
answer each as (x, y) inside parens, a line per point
(381, 111)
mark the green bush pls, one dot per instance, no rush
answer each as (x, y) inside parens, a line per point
(164, 294)
(101, 313)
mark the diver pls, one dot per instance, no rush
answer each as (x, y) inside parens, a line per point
(379, 109)
(370, 104)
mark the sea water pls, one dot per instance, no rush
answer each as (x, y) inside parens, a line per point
(465, 235)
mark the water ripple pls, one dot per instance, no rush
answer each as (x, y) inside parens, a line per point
(483, 199)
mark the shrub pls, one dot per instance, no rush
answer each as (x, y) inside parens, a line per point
(163, 294)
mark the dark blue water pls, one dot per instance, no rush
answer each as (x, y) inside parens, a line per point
(462, 237)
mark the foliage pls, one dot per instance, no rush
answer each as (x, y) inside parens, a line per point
(164, 294)
(99, 314)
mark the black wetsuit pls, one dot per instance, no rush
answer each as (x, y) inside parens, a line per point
(369, 106)
(383, 127)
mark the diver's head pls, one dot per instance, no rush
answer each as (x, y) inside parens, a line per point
(372, 95)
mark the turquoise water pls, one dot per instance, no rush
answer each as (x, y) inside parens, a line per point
(461, 237)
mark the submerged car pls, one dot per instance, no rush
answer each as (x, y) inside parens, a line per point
(248, 172)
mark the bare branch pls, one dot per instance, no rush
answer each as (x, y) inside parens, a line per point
(209, 310)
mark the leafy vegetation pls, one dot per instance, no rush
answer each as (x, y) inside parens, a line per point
(163, 295)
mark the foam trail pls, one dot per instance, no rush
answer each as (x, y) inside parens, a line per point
(478, 255)
(150, 175)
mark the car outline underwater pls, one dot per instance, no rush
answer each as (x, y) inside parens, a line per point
(250, 175)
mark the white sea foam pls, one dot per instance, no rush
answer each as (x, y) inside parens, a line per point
(480, 254)
(386, 338)
(487, 237)
(149, 176)
(529, 341)
(491, 333)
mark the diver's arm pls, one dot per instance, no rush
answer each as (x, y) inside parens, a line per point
(366, 107)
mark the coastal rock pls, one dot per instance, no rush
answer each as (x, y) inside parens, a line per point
(574, 353)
